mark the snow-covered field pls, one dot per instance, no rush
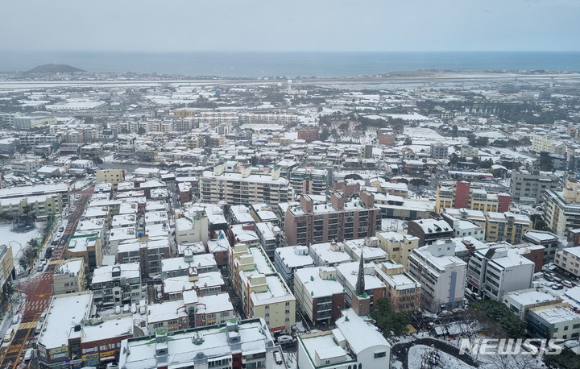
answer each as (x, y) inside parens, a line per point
(18, 240)
(447, 361)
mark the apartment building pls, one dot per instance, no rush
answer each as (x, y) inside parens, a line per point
(261, 289)
(86, 245)
(530, 187)
(506, 226)
(319, 296)
(548, 144)
(441, 275)
(288, 260)
(113, 176)
(386, 137)
(244, 187)
(569, 260)
(469, 151)
(543, 238)
(495, 271)
(309, 181)
(252, 118)
(308, 134)
(116, 285)
(343, 218)
(562, 209)
(398, 245)
(439, 151)
(149, 253)
(463, 195)
(403, 291)
(7, 265)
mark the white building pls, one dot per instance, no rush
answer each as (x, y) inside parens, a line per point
(441, 275)
(116, 285)
(288, 260)
(569, 260)
(244, 187)
(355, 343)
(497, 270)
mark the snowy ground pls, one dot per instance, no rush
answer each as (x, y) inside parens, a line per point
(416, 354)
(18, 240)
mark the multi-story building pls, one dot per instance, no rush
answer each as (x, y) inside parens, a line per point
(439, 151)
(547, 144)
(355, 343)
(343, 218)
(386, 137)
(71, 334)
(469, 151)
(494, 271)
(398, 245)
(403, 291)
(506, 226)
(228, 345)
(441, 275)
(261, 289)
(25, 167)
(318, 294)
(269, 236)
(113, 176)
(149, 253)
(86, 245)
(554, 322)
(69, 277)
(27, 122)
(562, 209)
(283, 119)
(309, 181)
(429, 230)
(244, 187)
(463, 195)
(288, 260)
(521, 301)
(308, 134)
(7, 265)
(569, 260)
(543, 238)
(530, 187)
(116, 285)
(348, 274)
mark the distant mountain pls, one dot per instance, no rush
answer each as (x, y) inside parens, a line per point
(54, 68)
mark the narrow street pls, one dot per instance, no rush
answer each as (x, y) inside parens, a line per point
(38, 290)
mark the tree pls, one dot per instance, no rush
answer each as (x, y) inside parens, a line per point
(324, 134)
(499, 313)
(97, 160)
(343, 126)
(390, 322)
(418, 182)
(124, 130)
(141, 131)
(408, 141)
(454, 131)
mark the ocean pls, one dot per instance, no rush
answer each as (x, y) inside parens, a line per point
(290, 64)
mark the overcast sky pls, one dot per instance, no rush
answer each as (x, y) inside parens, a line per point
(292, 25)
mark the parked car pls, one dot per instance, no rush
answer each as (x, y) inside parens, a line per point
(29, 354)
(557, 286)
(9, 334)
(277, 357)
(285, 339)
(567, 284)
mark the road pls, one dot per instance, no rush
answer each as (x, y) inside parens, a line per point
(38, 291)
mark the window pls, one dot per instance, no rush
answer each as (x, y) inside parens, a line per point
(380, 354)
(566, 328)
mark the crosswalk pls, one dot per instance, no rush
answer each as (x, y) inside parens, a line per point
(37, 305)
(28, 325)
